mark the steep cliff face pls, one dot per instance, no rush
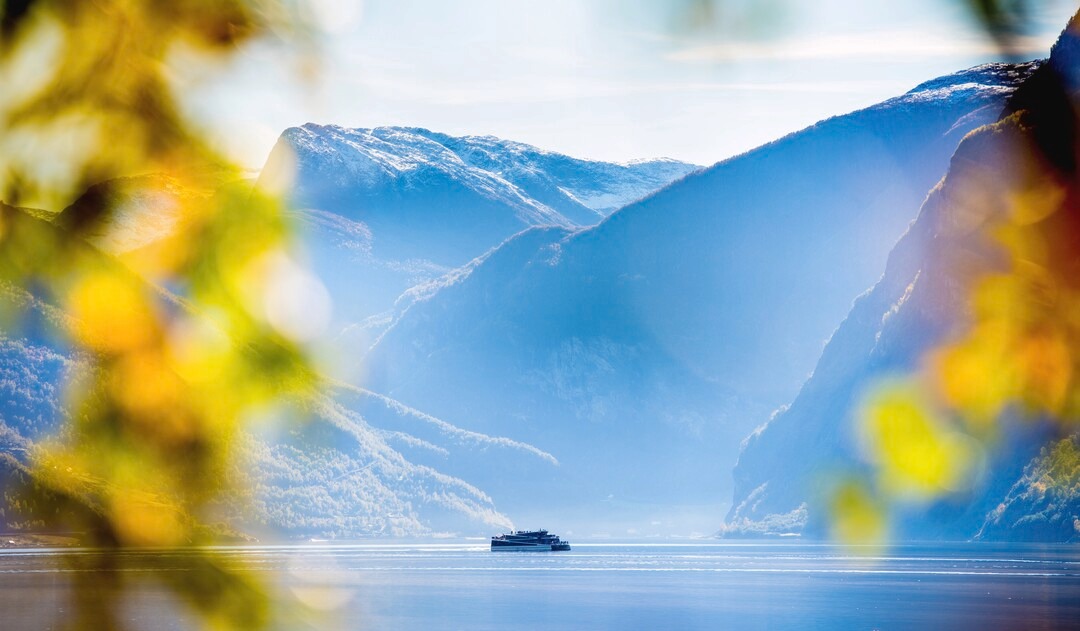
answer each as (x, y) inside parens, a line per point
(921, 301)
(1044, 504)
(918, 303)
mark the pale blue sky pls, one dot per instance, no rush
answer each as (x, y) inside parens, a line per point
(603, 79)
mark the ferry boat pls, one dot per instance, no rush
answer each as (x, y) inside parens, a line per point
(529, 541)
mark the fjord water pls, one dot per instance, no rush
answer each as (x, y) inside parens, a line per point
(594, 586)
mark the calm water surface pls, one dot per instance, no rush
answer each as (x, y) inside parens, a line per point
(594, 586)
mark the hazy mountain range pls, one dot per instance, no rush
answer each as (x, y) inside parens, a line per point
(641, 351)
(388, 208)
(337, 475)
(534, 339)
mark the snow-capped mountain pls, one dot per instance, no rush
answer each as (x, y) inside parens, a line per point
(639, 352)
(387, 208)
(342, 168)
(922, 299)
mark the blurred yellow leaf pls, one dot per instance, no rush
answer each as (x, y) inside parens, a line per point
(974, 378)
(91, 132)
(1035, 203)
(1045, 364)
(112, 313)
(857, 517)
(141, 523)
(916, 450)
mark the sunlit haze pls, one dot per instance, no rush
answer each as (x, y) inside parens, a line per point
(598, 78)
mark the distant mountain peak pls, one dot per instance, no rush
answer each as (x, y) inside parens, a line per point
(388, 208)
(545, 187)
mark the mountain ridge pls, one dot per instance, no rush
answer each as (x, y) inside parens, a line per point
(921, 301)
(383, 209)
